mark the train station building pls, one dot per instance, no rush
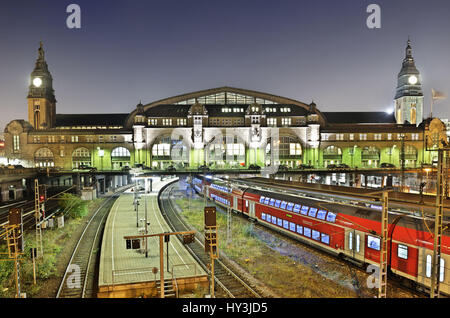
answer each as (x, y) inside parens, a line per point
(221, 127)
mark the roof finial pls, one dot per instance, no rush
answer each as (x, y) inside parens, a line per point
(41, 51)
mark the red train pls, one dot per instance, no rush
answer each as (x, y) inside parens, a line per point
(351, 232)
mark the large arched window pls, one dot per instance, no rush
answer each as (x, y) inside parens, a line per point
(229, 152)
(370, 157)
(120, 157)
(332, 155)
(43, 157)
(410, 156)
(121, 152)
(81, 157)
(167, 151)
(289, 151)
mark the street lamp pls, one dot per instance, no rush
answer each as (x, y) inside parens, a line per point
(101, 154)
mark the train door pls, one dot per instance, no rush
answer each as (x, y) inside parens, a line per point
(235, 204)
(425, 270)
(354, 244)
(251, 209)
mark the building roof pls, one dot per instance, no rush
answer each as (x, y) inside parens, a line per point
(359, 118)
(70, 120)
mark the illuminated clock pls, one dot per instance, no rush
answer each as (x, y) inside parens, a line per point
(412, 80)
(37, 82)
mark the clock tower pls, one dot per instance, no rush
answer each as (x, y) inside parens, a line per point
(409, 96)
(41, 96)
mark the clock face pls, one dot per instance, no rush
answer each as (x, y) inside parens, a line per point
(412, 80)
(37, 82)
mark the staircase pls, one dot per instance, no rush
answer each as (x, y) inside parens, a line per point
(169, 289)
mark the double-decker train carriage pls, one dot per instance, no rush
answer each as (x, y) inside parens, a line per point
(348, 231)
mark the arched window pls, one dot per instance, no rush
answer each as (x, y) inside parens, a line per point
(43, 157)
(121, 152)
(120, 158)
(167, 151)
(81, 153)
(81, 157)
(370, 157)
(226, 152)
(289, 151)
(332, 155)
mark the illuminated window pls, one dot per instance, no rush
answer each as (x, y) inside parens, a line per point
(120, 152)
(428, 266)
(402, 251)
(272, 122)
(181, 122)
(167, 121)
(285, 121)
(373, 242)
(325, 238)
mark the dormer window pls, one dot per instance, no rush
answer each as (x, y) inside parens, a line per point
(197, 120)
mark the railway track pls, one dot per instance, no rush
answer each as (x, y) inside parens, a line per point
(229, 282)
(81, 262)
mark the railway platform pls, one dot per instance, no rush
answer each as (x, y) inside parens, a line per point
(128, 273)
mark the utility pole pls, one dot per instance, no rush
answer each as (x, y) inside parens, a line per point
(382, 280)
(39, 197)
(229, 216)
(438, 224)
(436, 140)
(146, 228)
(211, 240)
(14, 238)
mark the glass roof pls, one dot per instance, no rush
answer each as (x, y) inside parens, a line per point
(226, 98)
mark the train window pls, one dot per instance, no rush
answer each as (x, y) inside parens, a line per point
(350, 240)
(266, 200)
(402, 251)
(277, 203)
(331, 217)
(307, 232)
(373, 242)
(304, 210)
(286, 224)
(280, 222)
(290, 206)
(312, 212)
(263, 216)
(292, 226)
(299, 229)
(272, 202)
(441, 270)
(283, 205)
(321, 214)
(316, 235)
(428, 266)
(274, 220)
(296, 208)
(325, 238)
(261, 199)
(357, 242)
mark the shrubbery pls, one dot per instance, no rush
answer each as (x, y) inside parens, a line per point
(73, 206)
